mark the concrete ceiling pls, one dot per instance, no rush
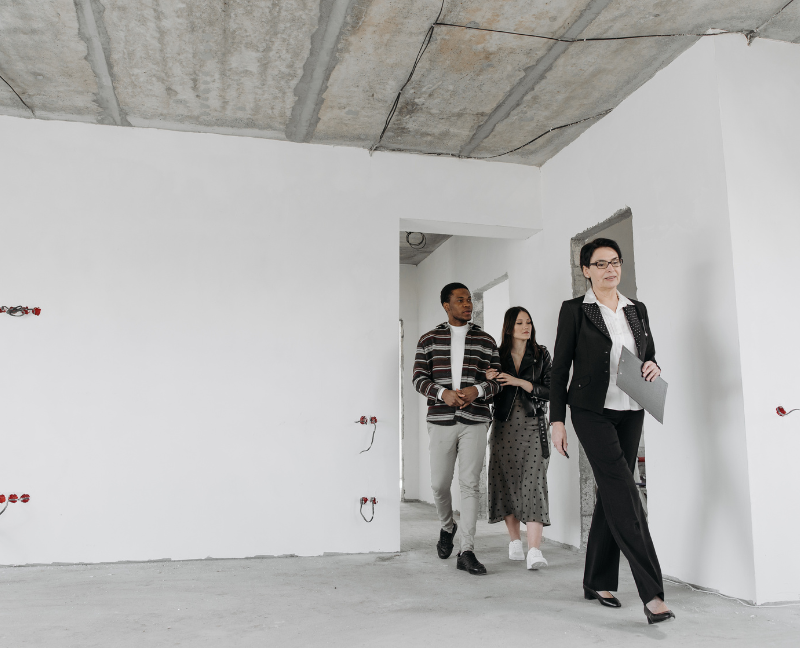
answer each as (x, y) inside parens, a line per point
(329, 71)
(423, 246)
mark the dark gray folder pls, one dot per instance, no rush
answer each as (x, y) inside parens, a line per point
(650, 395)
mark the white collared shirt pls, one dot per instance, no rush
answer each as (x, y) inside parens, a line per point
(621, 336)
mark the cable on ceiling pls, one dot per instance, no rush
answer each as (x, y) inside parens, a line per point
(582, 40)
(2, 78)
(489, 157)
(749, 34)
(753, 34)
(425, 42)
(419, 245)
(555, 128)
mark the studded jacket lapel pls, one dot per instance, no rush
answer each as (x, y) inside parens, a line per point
(636, 328)
(596, 317)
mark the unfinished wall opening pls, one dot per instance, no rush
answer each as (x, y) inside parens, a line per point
(619, 228)
(401, 411)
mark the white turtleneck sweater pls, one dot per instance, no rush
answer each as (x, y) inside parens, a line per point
(458, 340)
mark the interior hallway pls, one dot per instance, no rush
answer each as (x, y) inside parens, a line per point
(406, 599)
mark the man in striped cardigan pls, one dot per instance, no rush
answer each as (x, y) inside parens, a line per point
(450, 370)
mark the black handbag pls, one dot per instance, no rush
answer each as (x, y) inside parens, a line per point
(538, 408)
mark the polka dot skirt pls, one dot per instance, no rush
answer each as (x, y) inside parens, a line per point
(517, 470)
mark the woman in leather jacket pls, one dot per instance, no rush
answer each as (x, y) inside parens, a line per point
(519, 445)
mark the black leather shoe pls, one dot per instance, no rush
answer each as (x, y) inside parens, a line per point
(657, 618)
(589, 594)
(445, 545)
(469, 563)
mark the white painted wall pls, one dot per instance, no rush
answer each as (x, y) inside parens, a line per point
(660, 153)
(218, 310)
(409, 313)
(217, 313)
(761, 136)
(496, 302)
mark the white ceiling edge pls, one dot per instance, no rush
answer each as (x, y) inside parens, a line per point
(466, 229)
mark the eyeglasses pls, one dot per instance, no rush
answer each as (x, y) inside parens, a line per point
(602, 265)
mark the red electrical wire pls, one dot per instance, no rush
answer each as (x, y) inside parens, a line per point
(13, 499)
(363, 421)
(365, 500)
(19, 311)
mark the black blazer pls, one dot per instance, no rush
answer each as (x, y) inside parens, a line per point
(584, 343)
(537, 372)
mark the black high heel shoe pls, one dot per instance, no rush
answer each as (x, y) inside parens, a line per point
(657, 618)
(590, 594)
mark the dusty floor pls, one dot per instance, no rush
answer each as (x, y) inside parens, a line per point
(407, 599)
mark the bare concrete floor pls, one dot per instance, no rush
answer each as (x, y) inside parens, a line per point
(406, 599)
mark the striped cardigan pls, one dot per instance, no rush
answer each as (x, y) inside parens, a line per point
(432, 372)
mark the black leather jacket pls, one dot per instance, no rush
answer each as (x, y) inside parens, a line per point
(537, 372)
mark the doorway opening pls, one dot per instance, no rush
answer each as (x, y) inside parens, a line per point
(620, 229)
(402, 415)
(427, 263)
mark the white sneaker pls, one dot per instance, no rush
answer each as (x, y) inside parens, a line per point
(536, 559)
(515, 551)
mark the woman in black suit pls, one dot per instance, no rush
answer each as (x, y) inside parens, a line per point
(591, 333)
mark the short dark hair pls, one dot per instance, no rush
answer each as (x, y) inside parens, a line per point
(588, 250)
(447, 291)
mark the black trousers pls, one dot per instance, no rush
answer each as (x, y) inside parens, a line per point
(611, 442)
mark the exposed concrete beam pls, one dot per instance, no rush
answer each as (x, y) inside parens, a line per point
(533, 75)
(92, 30)
(490, 285)
(317, 70)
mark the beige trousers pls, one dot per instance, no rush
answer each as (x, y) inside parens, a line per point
(468, 444)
